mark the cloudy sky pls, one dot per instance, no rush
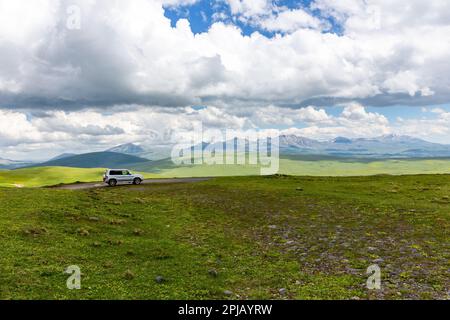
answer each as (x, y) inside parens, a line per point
(85, 75)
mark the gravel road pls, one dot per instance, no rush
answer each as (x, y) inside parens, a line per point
(91, 185)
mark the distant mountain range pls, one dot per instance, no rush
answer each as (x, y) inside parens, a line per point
(62, 156)
(133, 155)
(383, 147)
(128, 148)
(153, 153)
(7, 164)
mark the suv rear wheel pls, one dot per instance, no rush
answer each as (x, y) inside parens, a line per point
(137, 181)
(112, 182)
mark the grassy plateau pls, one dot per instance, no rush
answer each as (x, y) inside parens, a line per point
(299, 166)
(274, 237)
(309, 166)
(50, 176)
(46, 176)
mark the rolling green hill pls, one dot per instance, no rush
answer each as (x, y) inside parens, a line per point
(95, 160)
(50, 176)
(296, 166)
(47, 176)
(304, 165)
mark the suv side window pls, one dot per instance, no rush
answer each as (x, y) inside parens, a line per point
(115, 173)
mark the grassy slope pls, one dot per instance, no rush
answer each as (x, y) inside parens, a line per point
(49, 176)
(310, 168)
(313, 236)
(44, 176)
(361, 168)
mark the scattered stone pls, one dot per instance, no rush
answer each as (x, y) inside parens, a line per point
(95, 219)
(227, 292)
(83, 232)
(355, 298)
(117, 222)
(213, 273)
(129, 275)
(125, 215)
(138, 232)
(160, 279)
(96, 244)
(272, 226)
(379, 260)
(282, 291)
(371, 248)
(299, 189)
(115, 242)
(35, 231)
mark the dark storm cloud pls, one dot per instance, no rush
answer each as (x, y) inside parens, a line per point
(26, 102)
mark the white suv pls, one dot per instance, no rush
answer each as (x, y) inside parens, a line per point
(115, 176)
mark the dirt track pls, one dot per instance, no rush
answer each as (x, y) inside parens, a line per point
(91, 185)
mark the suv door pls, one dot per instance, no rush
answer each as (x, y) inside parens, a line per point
(127, 176)
(115, 174)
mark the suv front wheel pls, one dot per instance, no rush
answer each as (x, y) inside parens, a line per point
(137, 181)
(112, 182)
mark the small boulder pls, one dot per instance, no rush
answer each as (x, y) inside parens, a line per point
(129, 275)
(83, 232)
(227, 292)
(213, 273)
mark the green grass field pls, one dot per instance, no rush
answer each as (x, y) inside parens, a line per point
(45, 176)
(301, 167)
(50, 176)
(312, 236)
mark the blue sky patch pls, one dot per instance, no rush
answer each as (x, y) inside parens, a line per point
(204, 13)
